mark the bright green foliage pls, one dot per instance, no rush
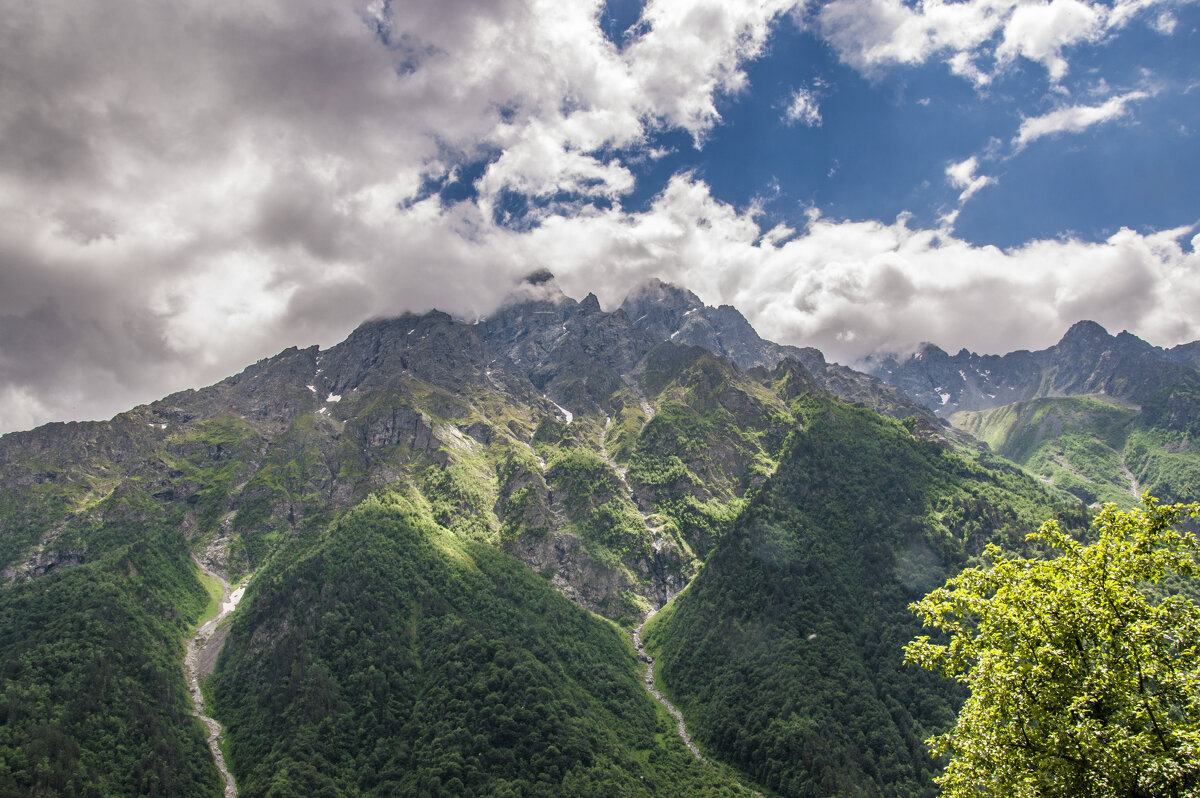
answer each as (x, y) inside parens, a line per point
(460, 499)
(1081, 683)
(1166, 462)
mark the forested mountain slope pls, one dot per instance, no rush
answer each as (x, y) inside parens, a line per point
(522, 431)
(92, 699)
(395, 658)
(782, 653)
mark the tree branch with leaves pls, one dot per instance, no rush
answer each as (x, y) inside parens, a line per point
(1084, 672)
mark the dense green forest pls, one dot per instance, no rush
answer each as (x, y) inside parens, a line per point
(92, 701)
(783, 652)
(397, 658)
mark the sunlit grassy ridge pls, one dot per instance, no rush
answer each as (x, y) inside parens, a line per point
(1093, 447)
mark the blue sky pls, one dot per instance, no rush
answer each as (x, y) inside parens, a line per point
(188, 187)
(883, 141)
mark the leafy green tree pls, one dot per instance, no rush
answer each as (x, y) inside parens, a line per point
(1084, 672)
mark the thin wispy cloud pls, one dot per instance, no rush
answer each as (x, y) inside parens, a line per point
(1075, 118)
(963, 175)
(804, 108)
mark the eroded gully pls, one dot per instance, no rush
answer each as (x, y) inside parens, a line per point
(655, 535)
(198, 663)
(680, 726)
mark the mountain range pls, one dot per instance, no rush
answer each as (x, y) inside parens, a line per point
(1087, 361)
(1104, 417)
(451, 535)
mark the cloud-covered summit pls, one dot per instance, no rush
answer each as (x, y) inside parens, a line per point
(186, 187)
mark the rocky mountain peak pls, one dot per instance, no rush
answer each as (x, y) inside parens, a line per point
(655, 291)
(1128, 339)
(675, 314)
(1187, 354)
(928, 351)
(538, 277)
(1085, 333)
(660, 308)
(1087, 360)
(539, 288)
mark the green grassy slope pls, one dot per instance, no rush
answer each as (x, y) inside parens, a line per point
(397, 658)
(785, 653)
(1093, 448)
(716, 434)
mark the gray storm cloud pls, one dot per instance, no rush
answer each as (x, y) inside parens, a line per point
(187, 187)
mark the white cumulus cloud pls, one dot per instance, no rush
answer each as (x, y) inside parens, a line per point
(186, 187)
(975, 38)
(856, 287)
(963, 175)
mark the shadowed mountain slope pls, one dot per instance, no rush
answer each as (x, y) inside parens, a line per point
(784, 653)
